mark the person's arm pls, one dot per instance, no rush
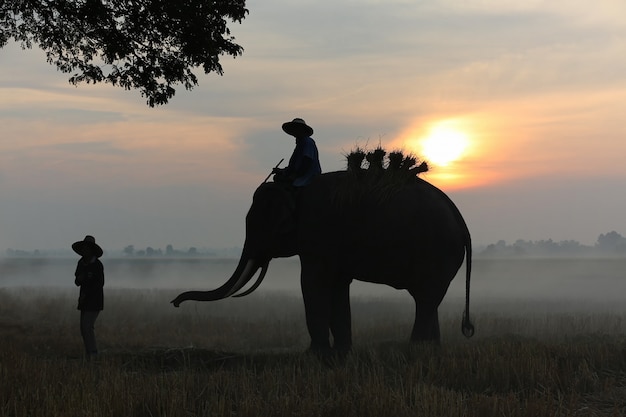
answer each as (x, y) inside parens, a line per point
(93, 275)
(304, 167)
(78, 275)
(100, 274)
(288, 173)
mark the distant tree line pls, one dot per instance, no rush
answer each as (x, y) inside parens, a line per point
(169, 252)
(128, 251)
(16, 253)
(608, 244)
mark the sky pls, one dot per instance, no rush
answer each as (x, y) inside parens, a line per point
(527, 98)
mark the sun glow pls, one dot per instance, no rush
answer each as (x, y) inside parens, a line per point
(444, 145)
(454, 148)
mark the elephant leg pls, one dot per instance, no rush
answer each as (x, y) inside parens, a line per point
(341, 318)
(317, 306)
(426, 326)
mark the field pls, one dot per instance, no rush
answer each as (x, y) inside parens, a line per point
(534, 354)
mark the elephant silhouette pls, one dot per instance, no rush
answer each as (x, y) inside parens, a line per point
(344, 226)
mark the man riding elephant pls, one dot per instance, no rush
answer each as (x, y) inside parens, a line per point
(304, 163)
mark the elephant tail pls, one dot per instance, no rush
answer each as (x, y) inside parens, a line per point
(467, 327)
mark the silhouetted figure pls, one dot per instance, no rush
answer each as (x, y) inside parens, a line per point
(90, 278)
(304, 163)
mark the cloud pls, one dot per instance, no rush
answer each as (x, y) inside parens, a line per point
(82, 148)
(539, 84)
(71, 116)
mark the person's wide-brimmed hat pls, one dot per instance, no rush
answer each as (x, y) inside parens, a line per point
(89, 241)
(298, 128)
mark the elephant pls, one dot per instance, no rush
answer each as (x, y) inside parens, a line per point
(410, 236)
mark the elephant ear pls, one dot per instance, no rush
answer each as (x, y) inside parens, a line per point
(272, 215)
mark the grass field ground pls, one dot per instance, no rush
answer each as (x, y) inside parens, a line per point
(244, 357)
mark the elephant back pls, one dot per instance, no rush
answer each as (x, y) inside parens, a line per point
(344, 198)
(370, 187)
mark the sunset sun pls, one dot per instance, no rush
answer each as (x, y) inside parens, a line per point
(449, 146)
(444, 145)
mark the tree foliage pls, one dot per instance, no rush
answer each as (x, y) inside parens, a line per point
(149, 45)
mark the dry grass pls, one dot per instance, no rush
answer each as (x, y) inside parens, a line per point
(244, 358)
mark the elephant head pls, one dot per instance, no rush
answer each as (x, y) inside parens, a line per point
(410, 236)
(270, 233)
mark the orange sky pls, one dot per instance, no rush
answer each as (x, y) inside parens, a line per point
(537, 89)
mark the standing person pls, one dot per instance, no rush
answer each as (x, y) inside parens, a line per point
(304, 163)
(89, 276)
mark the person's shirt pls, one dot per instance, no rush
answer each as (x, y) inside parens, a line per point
(89, 276)
(304, 163)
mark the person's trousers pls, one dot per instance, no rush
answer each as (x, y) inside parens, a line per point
(87, 323)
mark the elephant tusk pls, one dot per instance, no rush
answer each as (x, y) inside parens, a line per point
(244, 272)
(245, 276)
(256, 284)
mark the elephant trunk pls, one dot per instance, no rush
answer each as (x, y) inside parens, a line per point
(243, 273)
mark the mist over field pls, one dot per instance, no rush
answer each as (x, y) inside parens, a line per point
(577, 282)
(549, 341)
